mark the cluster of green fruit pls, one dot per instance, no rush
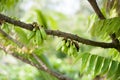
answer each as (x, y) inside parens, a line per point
(38, 35)
(68, 46)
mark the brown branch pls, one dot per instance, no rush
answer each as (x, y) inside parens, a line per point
(59, 76)
(96, 9)
(39, 67)
(80, 39)
(57, 33)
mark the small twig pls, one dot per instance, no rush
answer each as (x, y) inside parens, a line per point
(96, 9)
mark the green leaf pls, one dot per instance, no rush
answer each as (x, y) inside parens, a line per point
(38, 37)
(60, 44)
(78, 57)
(114, 54)
(103, 28)
(5, 27)
(105, 67)
(98, 66)
(44, 59)
(52, 23)
(43, 33)
(22, 35)
(41, 18)
(92, 63)
(7, 5)
(84, 61)
(31, 35)
(113, 69)
(117, 74)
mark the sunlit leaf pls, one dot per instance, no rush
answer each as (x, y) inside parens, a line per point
(103, 28)
(52, 23)
(99, 65)
(113, 69)
(105, 67)
(22, 36)
(92, 63)
(84, 61)
(41, 18)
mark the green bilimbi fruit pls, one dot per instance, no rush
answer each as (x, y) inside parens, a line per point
(67, 43)
(64, 48)
(43, 33)
(75, 50)
(31, 34)
(59, 46)
(39, 34)
(70, 50)
(68, 47)
(38, 37)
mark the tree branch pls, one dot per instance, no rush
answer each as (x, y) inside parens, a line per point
(96, 9)
(39, 67)
(57, 33)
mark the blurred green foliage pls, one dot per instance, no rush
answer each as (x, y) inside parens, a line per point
(7, 4)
